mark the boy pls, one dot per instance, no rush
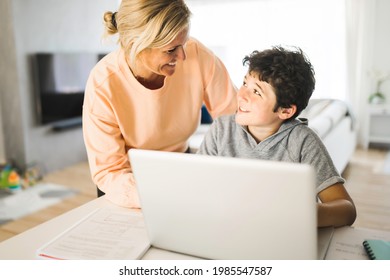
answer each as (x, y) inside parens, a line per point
(276, 88)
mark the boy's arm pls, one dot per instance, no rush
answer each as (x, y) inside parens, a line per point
(336, 207)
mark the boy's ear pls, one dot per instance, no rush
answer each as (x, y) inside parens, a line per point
(286, 113)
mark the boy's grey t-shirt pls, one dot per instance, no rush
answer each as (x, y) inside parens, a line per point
(294, 142)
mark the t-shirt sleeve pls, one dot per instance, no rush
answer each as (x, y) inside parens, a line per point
(314, 153)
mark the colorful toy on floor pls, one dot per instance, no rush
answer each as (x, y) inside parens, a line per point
(10, 179)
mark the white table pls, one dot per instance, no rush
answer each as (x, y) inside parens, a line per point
(25, 245)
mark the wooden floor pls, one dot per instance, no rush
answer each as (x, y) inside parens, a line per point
(76, 177)
(366, 183)
(369, 187)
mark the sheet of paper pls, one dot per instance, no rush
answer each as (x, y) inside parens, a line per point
(347, 243)
(104, 234)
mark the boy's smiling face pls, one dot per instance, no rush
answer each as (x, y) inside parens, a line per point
(256, 102)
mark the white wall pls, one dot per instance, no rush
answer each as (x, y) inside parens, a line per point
(373, 56)
(381, 54)
(236, 28)
(2, 149)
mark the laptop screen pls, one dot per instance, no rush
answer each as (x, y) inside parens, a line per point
(227, 208)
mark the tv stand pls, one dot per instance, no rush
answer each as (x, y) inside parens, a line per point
(67, 124)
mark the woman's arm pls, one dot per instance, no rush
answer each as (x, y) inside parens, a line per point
(109, 165)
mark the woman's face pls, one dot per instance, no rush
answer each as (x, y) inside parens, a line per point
(162, 61)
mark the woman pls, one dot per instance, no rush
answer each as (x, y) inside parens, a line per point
(148, 94)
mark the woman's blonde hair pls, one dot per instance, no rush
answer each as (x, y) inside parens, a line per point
(145, 24)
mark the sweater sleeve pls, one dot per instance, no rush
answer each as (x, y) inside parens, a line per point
(107, 152)
(220, 91)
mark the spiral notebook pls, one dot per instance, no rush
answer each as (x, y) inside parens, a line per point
(377, 249)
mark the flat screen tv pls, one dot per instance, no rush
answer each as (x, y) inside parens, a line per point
(60, 80)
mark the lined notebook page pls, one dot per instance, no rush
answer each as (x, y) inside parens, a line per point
(105, 234)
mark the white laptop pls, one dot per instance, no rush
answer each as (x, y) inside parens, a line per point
(227, 208)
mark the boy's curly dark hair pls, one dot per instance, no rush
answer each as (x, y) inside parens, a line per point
(289, 72)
